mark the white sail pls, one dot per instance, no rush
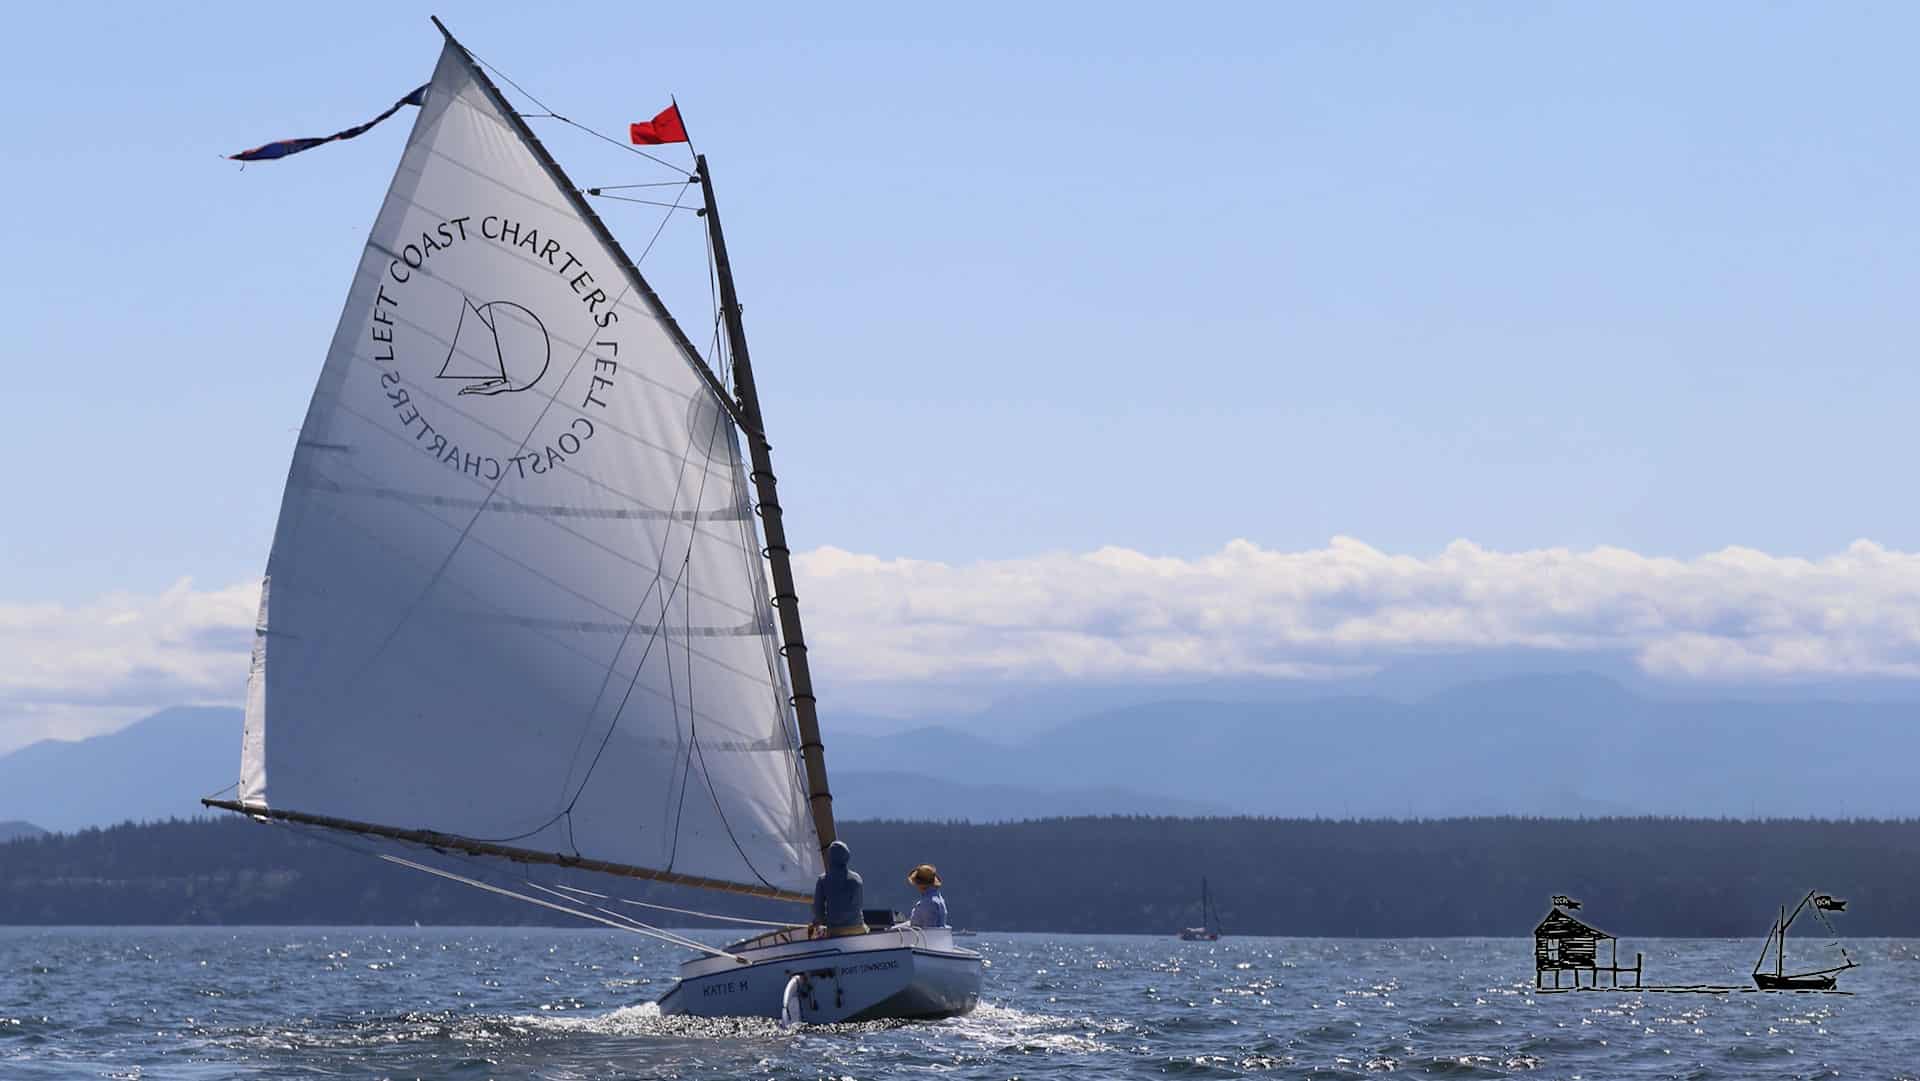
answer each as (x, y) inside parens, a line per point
(517, 592)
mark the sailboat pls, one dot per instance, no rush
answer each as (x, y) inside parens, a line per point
(517, 608)
(1822, 979)
(1209, 929)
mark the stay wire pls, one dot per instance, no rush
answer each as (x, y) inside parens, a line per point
(600, 193)
(718, 809)
(693, 718)
(647, 184)
(659, 932)
(681, 911)
(634, 926)
(480, 868)
(508, 79)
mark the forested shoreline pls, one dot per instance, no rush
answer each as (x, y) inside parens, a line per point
(1313, 877)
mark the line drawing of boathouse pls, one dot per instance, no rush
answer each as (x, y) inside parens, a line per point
(1564, 944)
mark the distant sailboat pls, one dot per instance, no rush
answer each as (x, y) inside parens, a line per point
(1209, 929)
(1820, 979)
(517, 605)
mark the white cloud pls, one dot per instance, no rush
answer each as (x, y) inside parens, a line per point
(68, 671)
(1732, 615)
(1736, 614)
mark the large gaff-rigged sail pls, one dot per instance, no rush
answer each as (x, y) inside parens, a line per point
(516, 593)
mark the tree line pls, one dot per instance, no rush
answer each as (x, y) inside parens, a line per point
(1310, 877)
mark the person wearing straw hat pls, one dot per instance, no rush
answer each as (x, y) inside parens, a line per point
(931, 909)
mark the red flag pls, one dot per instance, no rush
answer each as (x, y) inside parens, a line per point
(664, 128)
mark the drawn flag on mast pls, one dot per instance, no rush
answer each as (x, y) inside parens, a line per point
(1827, 902)
(282, 148)
(665, 127)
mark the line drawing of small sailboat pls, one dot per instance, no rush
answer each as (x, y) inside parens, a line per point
(1820, 979)
(502, 349)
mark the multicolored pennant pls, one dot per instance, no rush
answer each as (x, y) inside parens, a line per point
(281, 149)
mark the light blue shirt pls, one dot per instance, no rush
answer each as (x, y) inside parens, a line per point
(930, 910)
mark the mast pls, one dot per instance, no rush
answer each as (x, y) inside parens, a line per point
(785, 600)
(1780, 951)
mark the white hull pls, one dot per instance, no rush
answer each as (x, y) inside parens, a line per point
(909, 974)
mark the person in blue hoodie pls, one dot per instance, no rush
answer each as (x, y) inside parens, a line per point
(839, 896)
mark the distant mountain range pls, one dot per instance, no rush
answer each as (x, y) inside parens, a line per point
(16, 831)
(152, 769)
(1544, 744)
(1550, 744)
(161, 766)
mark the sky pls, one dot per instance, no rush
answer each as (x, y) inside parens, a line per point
(1037, 290)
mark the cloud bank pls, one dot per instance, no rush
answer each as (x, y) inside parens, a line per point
(1736, 614)
(69, 671)
(1115, 614)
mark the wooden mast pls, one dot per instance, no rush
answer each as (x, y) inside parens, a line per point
(785, 601)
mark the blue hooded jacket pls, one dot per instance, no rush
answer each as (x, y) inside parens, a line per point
(839, 895)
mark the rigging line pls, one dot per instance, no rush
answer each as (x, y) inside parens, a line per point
(693, 715)
(597, 193)
(508, 79)
(679, 485)
(613, 666)
(693, 733)
(648, 184)
(635, 926)
(664, 219)
(694, 719)
(1828, 924)
(652, 637)
(718, 810)
(680, 911)
(676, 938)
(660, 569)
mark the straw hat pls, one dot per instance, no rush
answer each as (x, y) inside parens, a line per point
(923, 876)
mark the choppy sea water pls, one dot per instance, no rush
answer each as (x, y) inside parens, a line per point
(207, 1003)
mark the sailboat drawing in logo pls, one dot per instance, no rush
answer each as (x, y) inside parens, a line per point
(502, 349)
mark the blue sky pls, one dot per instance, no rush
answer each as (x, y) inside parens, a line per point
(1030, 279)
(1037, 279)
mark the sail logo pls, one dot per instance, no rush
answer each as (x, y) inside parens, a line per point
(470, 343)
(498, 347)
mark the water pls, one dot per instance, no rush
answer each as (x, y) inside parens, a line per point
(207, 1003)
